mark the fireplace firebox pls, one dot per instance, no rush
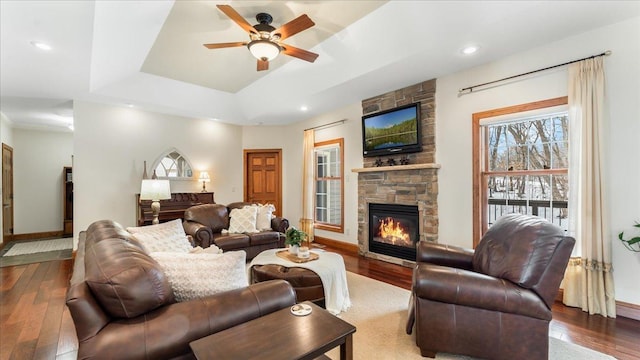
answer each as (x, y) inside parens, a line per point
(394, 230)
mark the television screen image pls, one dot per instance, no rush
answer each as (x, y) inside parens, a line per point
(392, 132)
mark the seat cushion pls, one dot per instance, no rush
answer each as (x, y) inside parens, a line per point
(265, 237)
(228, 241)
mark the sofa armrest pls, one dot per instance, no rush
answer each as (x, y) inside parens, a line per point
(467, 288)
(445, 255)
(280, 224)
(166, 332)
(202, 235)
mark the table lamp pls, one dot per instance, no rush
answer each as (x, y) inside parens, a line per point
(155, 190)
(204, 177)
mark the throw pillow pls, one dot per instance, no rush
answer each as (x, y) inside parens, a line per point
(265, 214)
(194, 276)
(243, 220)
(165, 237)
(212, 249)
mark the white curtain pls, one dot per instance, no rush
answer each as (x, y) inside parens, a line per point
(306, 223)
(588, 281)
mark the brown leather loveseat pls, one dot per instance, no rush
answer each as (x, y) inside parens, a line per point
(123, 307)
(494, 302)
(205, 223)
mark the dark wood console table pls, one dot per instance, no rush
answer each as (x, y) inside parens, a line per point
(173, 208)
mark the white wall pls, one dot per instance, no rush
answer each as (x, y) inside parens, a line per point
(111, 144)
(38, 159)
(6, 132)
(289, 139)
(453, 131)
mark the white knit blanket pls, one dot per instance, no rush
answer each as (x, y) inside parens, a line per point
(330, 268)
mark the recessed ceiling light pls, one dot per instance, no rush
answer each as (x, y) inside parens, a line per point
(470, 49)
(41, 45)
(304, 108)
(129, 105)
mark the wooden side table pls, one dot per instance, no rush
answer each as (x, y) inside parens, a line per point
(280, 336)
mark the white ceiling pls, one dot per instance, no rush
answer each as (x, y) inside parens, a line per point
(150, 54)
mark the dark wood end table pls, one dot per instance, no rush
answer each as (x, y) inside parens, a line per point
(280, 336)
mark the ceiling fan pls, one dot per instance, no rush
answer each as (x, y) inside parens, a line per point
(265, 40)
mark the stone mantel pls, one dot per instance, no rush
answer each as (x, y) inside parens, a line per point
(397, 168)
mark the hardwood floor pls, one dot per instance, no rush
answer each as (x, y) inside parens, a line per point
(36, 324)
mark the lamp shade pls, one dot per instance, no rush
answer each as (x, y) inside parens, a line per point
(264, 49)
(204, 176)
(155, 190)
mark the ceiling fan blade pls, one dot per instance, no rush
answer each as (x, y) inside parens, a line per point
(263, 65)
(302, 22)
(233, 15)
(299, 53)
(224, 45)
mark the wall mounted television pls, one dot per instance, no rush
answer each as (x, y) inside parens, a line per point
(394, 131)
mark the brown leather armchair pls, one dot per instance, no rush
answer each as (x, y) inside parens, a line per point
(206, 222)
(494, 302)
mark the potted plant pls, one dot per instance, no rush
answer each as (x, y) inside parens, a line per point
(294, 238)
(633, 238)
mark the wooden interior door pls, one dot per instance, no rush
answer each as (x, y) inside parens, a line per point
(7, 193)
(263, 177)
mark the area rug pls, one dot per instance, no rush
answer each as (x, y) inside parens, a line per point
(379, 312)
(28, 252)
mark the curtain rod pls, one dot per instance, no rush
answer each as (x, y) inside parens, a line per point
(326, 125)
(470, 88)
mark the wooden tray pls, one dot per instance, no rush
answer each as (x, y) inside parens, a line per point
(285, 254)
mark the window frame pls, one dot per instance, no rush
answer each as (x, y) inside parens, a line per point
(479, 157)
(324, 225)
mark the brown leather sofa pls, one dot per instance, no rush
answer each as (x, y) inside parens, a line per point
(494, 302)
(206, 222)
(123, 307)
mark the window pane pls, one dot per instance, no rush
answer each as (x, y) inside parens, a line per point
(561, 128)
(540, 186)
(517, 187)
(560, 155)
(517, 157)
(540, 156)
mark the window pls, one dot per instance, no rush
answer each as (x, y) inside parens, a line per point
(328, 157)
(521, 164)
(172, 165)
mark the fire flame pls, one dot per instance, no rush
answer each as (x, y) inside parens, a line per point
(391, 230)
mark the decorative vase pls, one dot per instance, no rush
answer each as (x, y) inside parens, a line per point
(293, 249)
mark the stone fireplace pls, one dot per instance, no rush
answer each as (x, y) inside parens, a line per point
(412, 186)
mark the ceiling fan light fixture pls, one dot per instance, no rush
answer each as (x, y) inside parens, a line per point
(264, 49)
